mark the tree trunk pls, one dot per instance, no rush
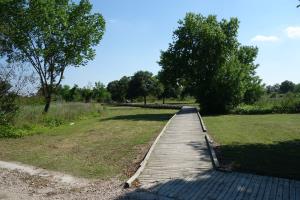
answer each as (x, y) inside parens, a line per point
(145, 100)
(47, 105)
(163, 99)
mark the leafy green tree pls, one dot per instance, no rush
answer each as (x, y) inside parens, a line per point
(8, 106)
(119, 89)
(287, 86)
(206, 56)
(100, 94)
(64, 92)
(143, 84)
(169, 90)
(51, 35)
(86, 94)
(297, 88)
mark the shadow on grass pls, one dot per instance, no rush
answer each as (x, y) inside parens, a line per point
(280, 159)
(141, 117)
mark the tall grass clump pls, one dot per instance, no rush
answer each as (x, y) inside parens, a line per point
(285, 104)
(59, 113)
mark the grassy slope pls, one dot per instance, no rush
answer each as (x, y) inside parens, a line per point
(266, 144)
(98, 147)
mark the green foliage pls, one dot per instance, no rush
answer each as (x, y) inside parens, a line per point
(168, 89)
(8, 106)
(30, 116)
(99, 147)
(297, 88)
(207, 58)
(266, 144)
(119, 89)
(273, 88)
(50, 35)
(289, 103)
(286, 86)
(143, 84)
(100, 94)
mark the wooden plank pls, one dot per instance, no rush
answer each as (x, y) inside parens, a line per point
(197, 185)
(273, 189)
(292, 190)
(297, 189)
(242, 188)
(286, 189)
(200, 193)
(265, 186)
(279, 189)
(231, 180)
(217, 188)
(242, 192)
(256, 187)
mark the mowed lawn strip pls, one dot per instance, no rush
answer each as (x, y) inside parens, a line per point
(263, 144)
(97, 147)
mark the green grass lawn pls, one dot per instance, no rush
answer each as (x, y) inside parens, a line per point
(265, 144)
(100, 146)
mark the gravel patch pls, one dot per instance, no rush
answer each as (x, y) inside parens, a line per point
(16, 184)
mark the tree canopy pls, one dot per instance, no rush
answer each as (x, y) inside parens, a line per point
(119, 89)
(142, 84)
(51, 35)
(205, 55)
(286, 86)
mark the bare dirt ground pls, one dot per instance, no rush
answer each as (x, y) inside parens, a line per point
(28, 183)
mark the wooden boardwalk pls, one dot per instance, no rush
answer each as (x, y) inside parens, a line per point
(180, 168)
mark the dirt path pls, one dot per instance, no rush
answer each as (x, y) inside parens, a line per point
(24, 182)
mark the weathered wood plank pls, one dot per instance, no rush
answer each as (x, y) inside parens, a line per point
(180, 167)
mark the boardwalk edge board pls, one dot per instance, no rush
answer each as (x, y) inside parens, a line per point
(202, 122)
(209, 143)
(144, 162)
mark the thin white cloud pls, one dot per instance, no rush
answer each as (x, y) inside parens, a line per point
(112, 21)
(293, 32)
(264, 38)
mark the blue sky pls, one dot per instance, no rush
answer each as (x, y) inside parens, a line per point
(136, 32)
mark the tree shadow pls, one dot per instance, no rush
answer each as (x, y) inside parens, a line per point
(280, 159)
(141, 117)
(215, 185)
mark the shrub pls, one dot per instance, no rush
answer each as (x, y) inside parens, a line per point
(286, 104)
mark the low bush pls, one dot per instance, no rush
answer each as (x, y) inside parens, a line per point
(286, 104)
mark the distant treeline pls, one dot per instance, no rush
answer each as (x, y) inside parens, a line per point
(283, 88)
(128, 89)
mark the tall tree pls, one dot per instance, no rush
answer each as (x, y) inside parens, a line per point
(169, 88)
(100, 93)
(206, 56)
(287, 86)
(143, 84)
(51, 35)
(119, 89)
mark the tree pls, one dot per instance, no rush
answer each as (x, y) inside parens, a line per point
(143, 84)
(206, 56)
(100, 94)
(297, 88)
(86, 94)
(14, 81)
(169, 90)
(287, 86)
(64, 92)
(119, 89)
(51, 35)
